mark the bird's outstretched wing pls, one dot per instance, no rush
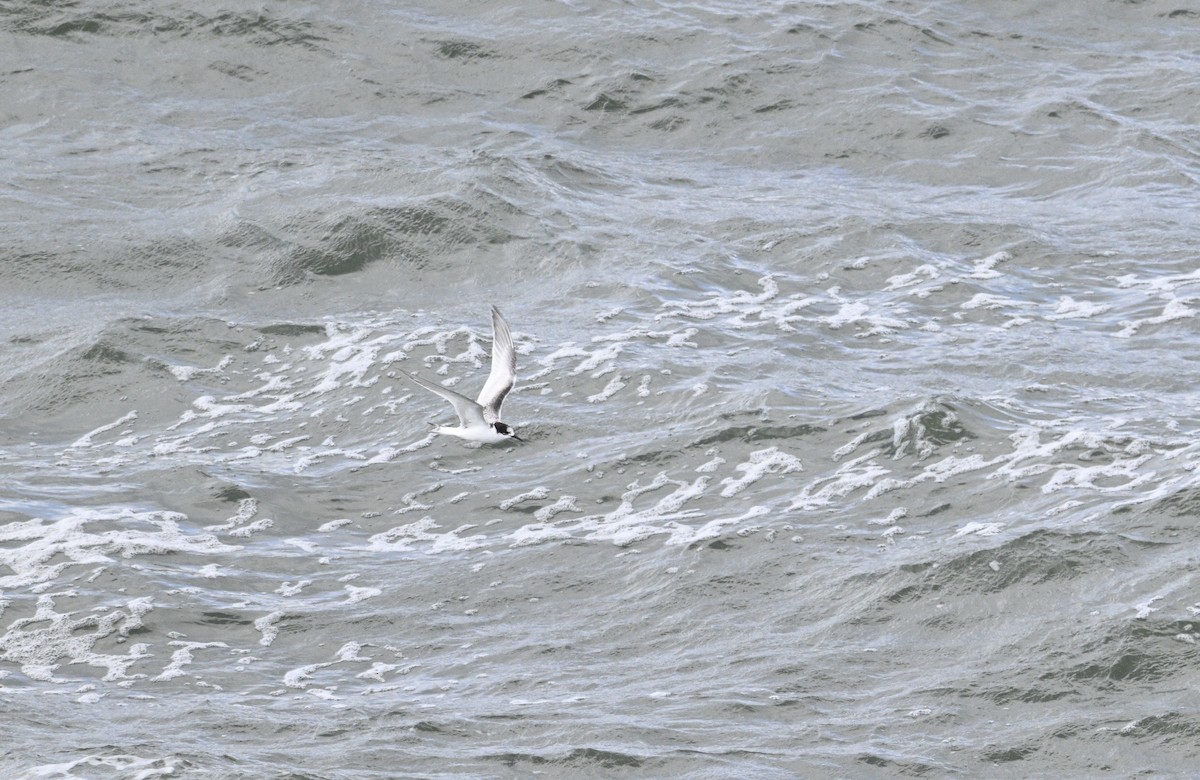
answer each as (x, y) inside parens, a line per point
(504, 369)
(470, 414)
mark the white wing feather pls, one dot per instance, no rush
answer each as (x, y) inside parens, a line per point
(470, 414)
(504, 369)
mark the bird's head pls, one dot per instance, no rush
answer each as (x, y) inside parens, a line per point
(504, 430)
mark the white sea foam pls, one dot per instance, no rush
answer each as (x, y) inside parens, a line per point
(900, 281)
(247, 508)
(39, 551)
(992, 301)
(268, 626)
(424, 534)
(356, 594)
(300, 676)
(378, 671)
(760, 464)
(537, 494)
(612, 388)
(182, 657)
(252, 528)
(86, 439)
(294, 404)
(563, 504)
(725, 303)
(40, 643)
(626, 524)
(290, 589)
(979, 529)
(122, 765)
(1174, 308)
(985, 268)
(187, 373)
(680, 534)
(896, 514)
(1069, 308)
(857, 474)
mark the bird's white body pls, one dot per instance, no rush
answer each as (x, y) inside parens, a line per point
(480, 420)
(481, 433)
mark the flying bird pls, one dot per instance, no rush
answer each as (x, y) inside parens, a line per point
(479, 420)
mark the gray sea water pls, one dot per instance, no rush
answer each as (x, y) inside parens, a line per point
(857, 359)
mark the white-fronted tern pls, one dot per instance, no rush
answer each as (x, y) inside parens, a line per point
(479, 420)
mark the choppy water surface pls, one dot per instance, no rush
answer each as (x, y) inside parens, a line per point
(857, 351)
